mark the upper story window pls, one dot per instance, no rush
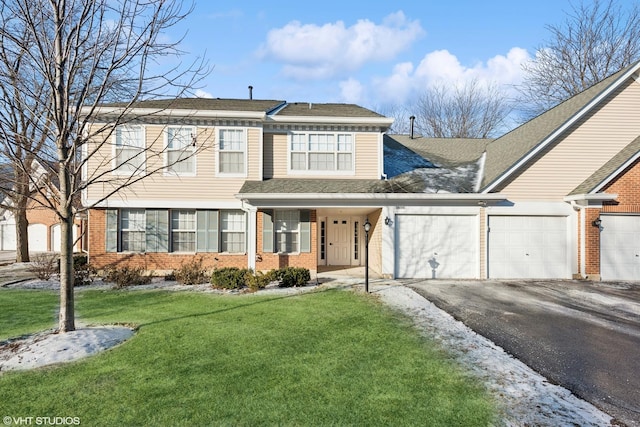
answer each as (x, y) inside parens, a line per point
(180, 158)
(320, 152)
(129, 149)
(232, 152)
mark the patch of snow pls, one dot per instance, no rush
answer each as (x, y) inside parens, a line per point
(49, 347)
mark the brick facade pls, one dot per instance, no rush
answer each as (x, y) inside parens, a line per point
(161, 263)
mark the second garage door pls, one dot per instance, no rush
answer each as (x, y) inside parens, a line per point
(528, 247)
(436, 246)
(620, 247)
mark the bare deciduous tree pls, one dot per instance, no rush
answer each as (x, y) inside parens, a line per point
(466, 110)
(596, 39)
(88, 53)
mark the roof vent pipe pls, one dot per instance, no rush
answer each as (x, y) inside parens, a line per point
(250, 92)
(412, 119)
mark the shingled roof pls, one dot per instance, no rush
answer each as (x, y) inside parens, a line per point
(210, 104)
(445, 152)
(300, 109)
(507, 151)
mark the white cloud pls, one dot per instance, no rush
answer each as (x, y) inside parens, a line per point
(203, 94)
(310, 51)
(441, 66)
(352, 91)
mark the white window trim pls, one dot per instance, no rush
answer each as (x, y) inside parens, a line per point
(182, 230)
(333, 172)
(245, 131)
(166, 171)
(122, 230)
(115, 170)
(221, 230)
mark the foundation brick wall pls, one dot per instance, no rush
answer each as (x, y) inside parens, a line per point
(165, 262)
(157, 262)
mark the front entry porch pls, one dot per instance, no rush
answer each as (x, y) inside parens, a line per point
(341, 238)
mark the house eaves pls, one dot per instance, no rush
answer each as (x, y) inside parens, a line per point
(511, 152)
(367, 199)
(380, 121)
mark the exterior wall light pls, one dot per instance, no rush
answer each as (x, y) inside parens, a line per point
(596, 222)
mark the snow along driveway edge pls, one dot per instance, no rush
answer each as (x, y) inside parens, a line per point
(525, 397)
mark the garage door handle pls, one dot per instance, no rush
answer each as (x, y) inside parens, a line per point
(330, 244)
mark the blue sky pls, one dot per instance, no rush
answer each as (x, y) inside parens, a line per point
(371, 53)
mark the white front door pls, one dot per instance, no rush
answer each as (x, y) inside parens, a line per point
(339, 252)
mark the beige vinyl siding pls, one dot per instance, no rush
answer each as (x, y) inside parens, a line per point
(584, 148)
(205, 185)
(366, 158)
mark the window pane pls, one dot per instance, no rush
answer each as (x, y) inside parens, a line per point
(129, 148)
(129, 136)
(180, 162)
(287, 242)
(321, 142)
(132, 225)
(233, 231)
(232, 139)
(344, 162)
(344, 143)
(232, 162)
(179, 137)
(183, 231)
(321, 161)
(298, 161)
(299, 142)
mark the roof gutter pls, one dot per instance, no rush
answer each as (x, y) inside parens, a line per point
(382, 121)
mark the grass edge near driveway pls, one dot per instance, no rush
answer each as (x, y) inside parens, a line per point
(331, 357)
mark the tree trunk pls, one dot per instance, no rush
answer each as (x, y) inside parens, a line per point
(67, 312)
(22, 236)
(65, 211)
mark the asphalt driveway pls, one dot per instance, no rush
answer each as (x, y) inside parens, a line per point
(584, 336)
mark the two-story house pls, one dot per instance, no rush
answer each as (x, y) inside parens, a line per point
(264, 184)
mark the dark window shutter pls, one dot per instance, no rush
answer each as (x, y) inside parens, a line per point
(111, 237)
(305, 231)
(267, 231)
(207, 231)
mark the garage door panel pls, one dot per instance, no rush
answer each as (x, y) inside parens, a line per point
(436, 246)
(535, 247)
(620, 247)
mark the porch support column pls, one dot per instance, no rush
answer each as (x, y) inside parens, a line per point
(252, 235)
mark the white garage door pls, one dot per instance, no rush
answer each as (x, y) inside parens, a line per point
(620, 247)
(528, 247)
(436, 246)
(37, 237)
(8, 237)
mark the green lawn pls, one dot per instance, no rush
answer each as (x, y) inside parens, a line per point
(323, 358)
